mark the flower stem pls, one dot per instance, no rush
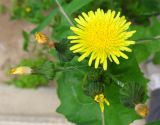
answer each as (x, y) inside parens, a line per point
(64, 13)
(121, 84)
(102, 115)
(141, 41)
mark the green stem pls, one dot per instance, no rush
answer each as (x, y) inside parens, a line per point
(115, 79)
(141, 41)
(69, 68)
(103, 120)
(64, 13)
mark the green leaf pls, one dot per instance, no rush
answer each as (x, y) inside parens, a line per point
(81, 109)
(156, 58)
(154, 123)
(127, 70)
(25, 40)
(75, 5)
(30, 81)
(116, 113)
(147, 40)
(69, 8)
(32, 62)
(45, 22)
(74, 104)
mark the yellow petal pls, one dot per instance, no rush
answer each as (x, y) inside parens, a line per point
(124, 55)
(105, 64)
(83, 56)
(76, 46)
(107, 102)
(76, 30)
(85, 16)
(97, 63)
(79, 50)
(75, 41)
(91, 59)
(125, 49)
(129, 42)
(101, 106)
(115, 59)
(72, 37)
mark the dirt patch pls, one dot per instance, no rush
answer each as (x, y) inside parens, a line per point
(11, 41)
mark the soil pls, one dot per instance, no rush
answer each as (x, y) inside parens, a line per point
(11, 41)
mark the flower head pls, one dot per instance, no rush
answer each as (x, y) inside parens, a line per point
(21, 70)
(101, 100)
(101, 36)
(41, 38)
(142, 110)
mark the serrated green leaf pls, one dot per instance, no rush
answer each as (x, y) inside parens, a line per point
(75, 106)
(82, 109)
(128, 70)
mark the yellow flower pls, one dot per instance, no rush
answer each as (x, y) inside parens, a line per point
(101, 36)
(41, 38)
(21, 70)
(101, 100)
(142, 110)
(28, 9)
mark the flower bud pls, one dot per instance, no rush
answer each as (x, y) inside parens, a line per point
(21, 70)
(41, 38)
(142, 110)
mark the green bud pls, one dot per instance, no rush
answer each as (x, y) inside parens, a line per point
(63, 51)
(95, 82)
(47, 69)
(93, 88)
(132, 93)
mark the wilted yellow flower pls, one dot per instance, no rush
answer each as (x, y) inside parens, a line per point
(41, 38)
(21, 70)
(142, 110)
(101, 36)
(101, 100)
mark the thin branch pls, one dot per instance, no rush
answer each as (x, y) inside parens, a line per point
(64, 13)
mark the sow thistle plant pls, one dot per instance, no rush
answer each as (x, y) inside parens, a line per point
(98, 77)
